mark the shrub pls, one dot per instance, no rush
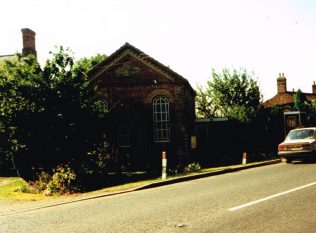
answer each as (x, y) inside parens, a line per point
(37, 186)
(40, 185)
(192, 167)
(63, 181)
(27, 188)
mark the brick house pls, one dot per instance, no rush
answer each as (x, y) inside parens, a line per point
(280, 124)
(150, 108)
(285, 97)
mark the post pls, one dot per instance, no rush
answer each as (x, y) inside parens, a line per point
(244, 158)
(14, 167)
(164, 165)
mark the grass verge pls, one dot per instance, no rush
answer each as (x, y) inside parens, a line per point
(10, 185)
(9, 190)
(136, 184)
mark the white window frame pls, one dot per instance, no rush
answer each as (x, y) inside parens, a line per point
(161, 119)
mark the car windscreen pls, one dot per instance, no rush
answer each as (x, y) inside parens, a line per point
(301, 134)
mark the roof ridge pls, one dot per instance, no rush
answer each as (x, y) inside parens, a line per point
(9, 55)
(144, 56)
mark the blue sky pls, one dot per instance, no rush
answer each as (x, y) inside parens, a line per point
(192, 37)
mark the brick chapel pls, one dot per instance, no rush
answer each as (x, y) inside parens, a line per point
(149, 107)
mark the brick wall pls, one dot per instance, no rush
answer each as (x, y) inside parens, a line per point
(138, 84)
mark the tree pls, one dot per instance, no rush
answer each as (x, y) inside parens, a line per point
(85, 64)
(48, 115)
(204, 104)
(232, 94)
(18, 78)
(300, 102)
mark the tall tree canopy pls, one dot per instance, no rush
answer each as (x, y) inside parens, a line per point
(85, 64)
(48, 115)
(230, 93)
(300, 101)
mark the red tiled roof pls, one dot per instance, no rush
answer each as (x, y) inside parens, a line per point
(286, 98)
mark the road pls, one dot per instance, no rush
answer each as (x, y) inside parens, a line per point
(274, 198)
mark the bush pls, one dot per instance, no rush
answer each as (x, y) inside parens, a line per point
(27, 188)
(192, 167)
(40, 185)
(37, 186)
(63, 182)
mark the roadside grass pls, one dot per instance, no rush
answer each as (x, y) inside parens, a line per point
(132, 185)
(9, 186)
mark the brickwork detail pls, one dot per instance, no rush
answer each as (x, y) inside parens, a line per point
(130, 80)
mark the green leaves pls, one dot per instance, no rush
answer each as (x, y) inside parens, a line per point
(205, 108)
(47, 115)
(300, 101)
(233, 94)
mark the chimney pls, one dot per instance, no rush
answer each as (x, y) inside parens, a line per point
(314, 88)
(281, 82)
(28, 42)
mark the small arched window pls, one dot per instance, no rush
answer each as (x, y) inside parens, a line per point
(161, 119)
(102, 105)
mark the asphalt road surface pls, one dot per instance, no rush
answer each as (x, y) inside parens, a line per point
(274, 198)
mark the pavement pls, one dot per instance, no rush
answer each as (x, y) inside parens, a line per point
(12, 207)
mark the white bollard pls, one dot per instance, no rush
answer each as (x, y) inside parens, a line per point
(164, 165)
(244, 158)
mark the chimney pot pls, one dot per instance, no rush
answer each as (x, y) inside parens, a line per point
(314, 88)
(281, 83)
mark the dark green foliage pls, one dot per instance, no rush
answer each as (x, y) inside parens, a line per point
(232, 94)
(18, 80)
(48, 115)
(300, 102)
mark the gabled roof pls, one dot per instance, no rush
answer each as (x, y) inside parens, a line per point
(128, 49)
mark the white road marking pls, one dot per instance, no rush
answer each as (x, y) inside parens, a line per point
(270, 197)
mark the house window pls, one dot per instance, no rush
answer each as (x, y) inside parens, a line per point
(161, 119)
(102, 105)
(123, 134)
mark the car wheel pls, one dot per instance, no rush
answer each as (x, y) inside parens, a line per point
(288, 160)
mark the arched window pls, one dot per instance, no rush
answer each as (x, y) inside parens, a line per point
(102, 105)
(161, 119)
